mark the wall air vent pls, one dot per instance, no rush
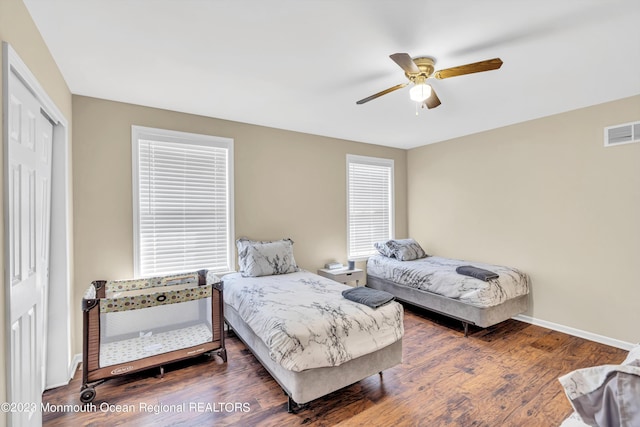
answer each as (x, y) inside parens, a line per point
(622, 134)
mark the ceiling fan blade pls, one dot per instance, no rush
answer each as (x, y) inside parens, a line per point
(384, 92)
(405, 62)
(476, 67)
(433, 101)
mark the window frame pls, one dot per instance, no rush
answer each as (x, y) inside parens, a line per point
(164, 135)
(375, 161)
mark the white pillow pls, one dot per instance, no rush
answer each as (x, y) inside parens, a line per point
(259, 258)
(383, 248)
(402, 250)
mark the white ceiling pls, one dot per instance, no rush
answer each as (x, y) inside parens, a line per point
(301, 65)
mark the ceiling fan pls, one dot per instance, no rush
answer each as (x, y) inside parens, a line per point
(420, 69)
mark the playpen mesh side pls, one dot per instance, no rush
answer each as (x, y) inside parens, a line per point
(143, 332)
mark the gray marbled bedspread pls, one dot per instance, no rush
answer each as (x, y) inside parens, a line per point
(306, 322)
(438, 275)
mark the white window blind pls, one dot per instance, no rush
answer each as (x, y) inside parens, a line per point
(182, 202)
(369, 204)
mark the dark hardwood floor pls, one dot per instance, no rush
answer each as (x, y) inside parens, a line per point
(505, 375)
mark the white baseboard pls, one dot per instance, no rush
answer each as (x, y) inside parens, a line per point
(52, 386)
(73, 366)
(75, 362)
(576, 332)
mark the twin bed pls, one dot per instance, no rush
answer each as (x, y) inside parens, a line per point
(310, 338)
(433, 283)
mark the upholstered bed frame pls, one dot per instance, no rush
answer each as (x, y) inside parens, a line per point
(468, 314)
(305, 386)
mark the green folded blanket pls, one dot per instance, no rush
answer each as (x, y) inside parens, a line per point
(367, 296)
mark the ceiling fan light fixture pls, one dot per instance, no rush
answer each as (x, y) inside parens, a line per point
(418, 70)
(420, 92)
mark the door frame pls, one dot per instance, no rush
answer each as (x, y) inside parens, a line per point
(58, 366)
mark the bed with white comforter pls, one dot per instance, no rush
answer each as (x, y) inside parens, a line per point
(310, 338)
(306, 323)
(438, 275)
(432, 282)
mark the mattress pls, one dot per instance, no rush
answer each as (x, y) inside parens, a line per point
(117, 352)
(306, 323)
(438, 275)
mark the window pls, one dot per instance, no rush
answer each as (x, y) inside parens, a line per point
(182, 202)
(369, 204)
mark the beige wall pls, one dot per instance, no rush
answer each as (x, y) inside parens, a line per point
(287, 184)
(547, 197)
(17, 28)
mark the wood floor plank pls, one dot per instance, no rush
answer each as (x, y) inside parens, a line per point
(505, 375)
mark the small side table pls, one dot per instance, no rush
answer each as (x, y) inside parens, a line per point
(343, 275)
